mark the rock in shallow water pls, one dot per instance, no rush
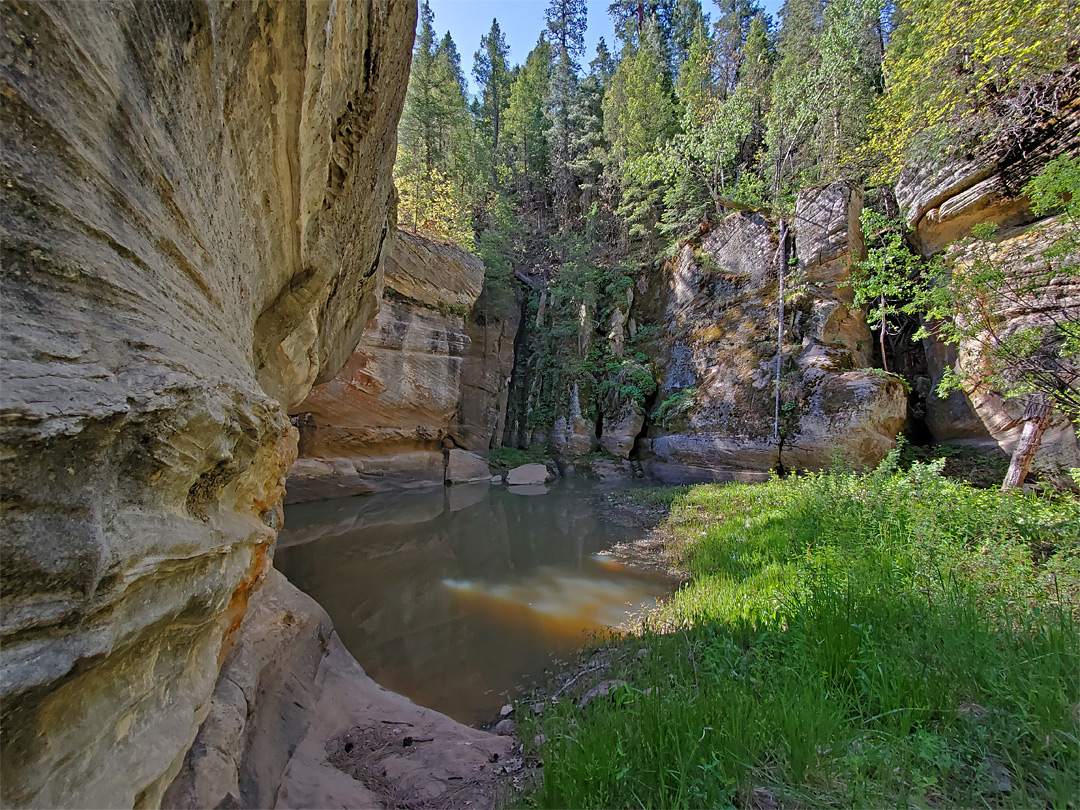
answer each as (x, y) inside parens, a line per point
(463, 467)
(529, 475)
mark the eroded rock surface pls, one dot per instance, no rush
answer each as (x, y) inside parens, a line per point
(941, 203)
(718, 361)
(426, 375)
(195, 204)
(295, 722)
(463, 467)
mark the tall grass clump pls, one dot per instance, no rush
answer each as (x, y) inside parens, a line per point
(845, 640)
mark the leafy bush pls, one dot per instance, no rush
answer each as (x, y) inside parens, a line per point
(676, 405)
(501, 459)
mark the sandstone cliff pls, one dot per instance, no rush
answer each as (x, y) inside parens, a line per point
(195, 207)
(718, 303)
(427, 374)
(941, 203)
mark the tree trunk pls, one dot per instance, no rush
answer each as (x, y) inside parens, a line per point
(884, 360)
(780, 326)
(1036, 418)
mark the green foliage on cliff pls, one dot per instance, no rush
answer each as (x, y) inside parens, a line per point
(967, 72)
(699, 112)
(961, 296)
(678, 404)
(845, 640)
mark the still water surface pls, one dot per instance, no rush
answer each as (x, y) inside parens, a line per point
(457, 597)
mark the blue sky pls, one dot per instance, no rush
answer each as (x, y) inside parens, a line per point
(521, 22)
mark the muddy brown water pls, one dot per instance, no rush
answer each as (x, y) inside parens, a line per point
(459, 597)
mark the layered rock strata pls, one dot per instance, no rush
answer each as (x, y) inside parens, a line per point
(718, 306)
(195, 206)
(941, 203)
(429, 373)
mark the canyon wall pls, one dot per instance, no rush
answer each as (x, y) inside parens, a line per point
(718, 305)
(941, 203)
(429, 374)
(703, 326)
(196, 203)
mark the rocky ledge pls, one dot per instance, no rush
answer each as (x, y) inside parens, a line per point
(941, 203)
(295, 722)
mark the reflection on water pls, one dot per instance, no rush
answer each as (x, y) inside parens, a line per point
(454, 597)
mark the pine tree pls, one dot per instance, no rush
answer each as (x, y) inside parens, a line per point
(526, 118)
(493, 77)
(630, 17)
(417, 132)
(566, 28)
(639, 117)
(588, 147)
(731, 31)
(686, 18)
(436, 168)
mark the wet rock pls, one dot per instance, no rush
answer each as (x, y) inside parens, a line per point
(506, 710)
(602, 689)
(463, 467)
(186, 252)
(504, 728)
(529, 475)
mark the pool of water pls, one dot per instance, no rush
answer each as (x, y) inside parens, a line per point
(457, 597)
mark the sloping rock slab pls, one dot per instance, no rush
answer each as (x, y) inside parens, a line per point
(295, 722)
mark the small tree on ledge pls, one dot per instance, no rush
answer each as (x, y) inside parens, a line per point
(1010, 307)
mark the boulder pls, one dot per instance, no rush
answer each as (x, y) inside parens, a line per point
(621, 429)
(529, 474)
(196, 204)
(463, 467)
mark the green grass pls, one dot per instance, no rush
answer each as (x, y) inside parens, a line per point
(845, 640)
